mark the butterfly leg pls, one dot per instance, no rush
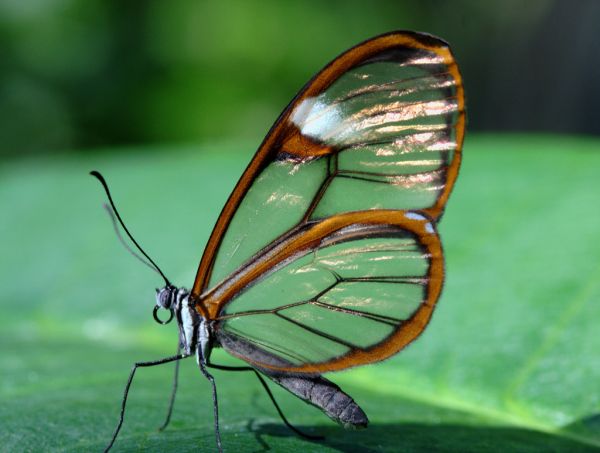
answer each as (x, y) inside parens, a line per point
(271, 396)
(128, 385)
(211, 379)
(173, 392)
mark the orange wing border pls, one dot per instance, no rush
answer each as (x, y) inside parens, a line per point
(305, 241)
(282, 134)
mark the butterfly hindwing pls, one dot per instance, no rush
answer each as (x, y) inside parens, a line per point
(335, 293)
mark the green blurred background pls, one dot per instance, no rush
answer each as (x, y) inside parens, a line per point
(169, 99)
(83, 74)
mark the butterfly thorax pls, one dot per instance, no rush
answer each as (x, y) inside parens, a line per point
(193, 328)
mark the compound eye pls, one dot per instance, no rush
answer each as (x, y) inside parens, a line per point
(157, 319)
(163, 298)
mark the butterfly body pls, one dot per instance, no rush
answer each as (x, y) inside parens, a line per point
(197, 337)
(326, 255)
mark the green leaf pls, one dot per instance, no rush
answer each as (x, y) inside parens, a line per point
(509, 363)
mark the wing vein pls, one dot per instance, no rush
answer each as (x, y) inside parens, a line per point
(389, 320)
(318, 332)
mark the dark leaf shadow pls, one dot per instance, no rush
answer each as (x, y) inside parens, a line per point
(588, 427)
(415, 437)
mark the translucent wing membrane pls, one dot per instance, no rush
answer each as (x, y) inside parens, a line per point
(377, 132)
(335, 292)
(335, 299)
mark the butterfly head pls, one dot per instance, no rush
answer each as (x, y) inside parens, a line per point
(166, 298)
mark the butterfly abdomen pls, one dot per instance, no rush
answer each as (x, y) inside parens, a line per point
(314, 389)
(327, 396)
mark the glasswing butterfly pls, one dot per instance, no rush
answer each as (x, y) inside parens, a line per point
(326, 255)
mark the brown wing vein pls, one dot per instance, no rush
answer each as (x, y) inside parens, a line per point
(318, 332)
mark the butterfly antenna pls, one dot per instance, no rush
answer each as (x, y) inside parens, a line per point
(116, 213)
(122, 240)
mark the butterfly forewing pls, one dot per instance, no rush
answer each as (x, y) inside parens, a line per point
(379, 129)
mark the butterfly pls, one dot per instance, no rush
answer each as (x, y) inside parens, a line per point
(326, 255)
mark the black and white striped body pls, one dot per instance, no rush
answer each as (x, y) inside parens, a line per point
(193, 328)
(196, 336)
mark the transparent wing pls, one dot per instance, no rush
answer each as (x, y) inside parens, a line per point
(380, 127)
(334, 294)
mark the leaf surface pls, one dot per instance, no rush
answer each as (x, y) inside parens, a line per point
(509, 362)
